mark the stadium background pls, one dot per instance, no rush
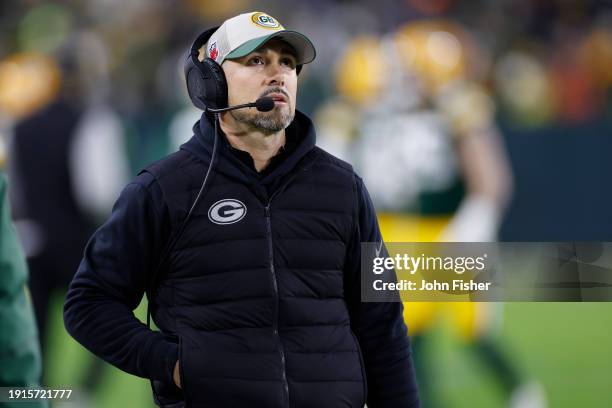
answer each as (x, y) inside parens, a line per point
(544, 67)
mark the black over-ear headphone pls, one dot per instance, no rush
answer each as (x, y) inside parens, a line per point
(206, 83)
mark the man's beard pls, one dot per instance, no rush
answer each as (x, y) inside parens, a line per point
(266, 122)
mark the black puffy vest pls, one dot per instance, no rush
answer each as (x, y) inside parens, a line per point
(254, 288)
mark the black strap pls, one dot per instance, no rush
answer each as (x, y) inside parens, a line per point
(175, 238)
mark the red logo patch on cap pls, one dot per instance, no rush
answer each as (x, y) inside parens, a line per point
(213, 52)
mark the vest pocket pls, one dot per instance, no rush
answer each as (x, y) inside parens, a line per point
(363, 372)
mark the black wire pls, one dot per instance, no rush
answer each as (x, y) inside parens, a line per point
(173, 242)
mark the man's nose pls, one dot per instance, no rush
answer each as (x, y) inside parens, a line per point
(276, 76)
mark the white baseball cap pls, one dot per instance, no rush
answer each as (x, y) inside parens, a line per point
(243, 34)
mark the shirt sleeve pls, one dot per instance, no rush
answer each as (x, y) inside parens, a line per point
(20, 352)
(111, 280)
(378, 326)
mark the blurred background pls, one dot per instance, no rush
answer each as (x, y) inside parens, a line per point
(469, 121)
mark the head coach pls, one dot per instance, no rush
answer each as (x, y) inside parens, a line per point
(247, 243)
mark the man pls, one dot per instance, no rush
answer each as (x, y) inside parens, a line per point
(19, 349)
(258, 253)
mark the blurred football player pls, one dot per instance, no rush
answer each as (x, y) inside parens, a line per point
(426, 143)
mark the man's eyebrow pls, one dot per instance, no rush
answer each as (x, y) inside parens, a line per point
(289, 51)
(284, 50)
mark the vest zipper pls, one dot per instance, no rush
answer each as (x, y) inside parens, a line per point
(281, 349)
(277, 298)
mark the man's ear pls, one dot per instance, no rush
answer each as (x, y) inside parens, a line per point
(202, 53)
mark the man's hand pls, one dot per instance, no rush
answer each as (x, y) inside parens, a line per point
(176, 374)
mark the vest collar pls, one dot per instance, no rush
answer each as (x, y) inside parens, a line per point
(201, 145)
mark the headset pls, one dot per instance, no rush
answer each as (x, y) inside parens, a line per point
(207, 89)
(206, 83)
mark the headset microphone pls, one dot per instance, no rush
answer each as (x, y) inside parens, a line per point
(264, 104)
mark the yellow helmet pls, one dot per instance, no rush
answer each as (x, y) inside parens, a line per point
(28, 81)
(361, 71)
(435, 50)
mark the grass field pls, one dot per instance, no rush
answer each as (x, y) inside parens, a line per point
(566, 346)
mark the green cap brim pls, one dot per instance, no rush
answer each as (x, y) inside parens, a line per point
(300, 43)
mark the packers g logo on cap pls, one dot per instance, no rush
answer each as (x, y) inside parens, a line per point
(265, 21)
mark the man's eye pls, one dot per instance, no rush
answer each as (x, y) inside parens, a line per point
(289, 62)
(256, 60)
